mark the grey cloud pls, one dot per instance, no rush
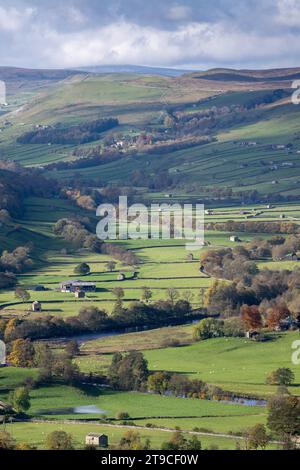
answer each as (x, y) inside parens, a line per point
(201, 33)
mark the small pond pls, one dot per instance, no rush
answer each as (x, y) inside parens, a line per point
(78, 410)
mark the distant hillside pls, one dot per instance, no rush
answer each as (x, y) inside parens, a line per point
(26, 80)
(143, 70)
(249, 76)
(253, 128)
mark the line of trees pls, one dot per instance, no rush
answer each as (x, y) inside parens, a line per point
(73, 135)
(251, 226)
(92, 319)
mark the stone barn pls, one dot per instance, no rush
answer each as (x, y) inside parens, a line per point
(79, 294)
(2, 354)
(36, 306)
(96, 440)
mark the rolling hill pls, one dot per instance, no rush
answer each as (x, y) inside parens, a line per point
(269, 165)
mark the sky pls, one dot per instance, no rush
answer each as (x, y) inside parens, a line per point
(191, 34)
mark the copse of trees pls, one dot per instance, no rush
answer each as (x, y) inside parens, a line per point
(16, 261)
(72, 135)
(283, 416)
(257, 226)
(215, 328)
(179, 441)
(17, 183)
(177, 385)
(262, 297)
(87, 159)
(132, 440)
(75, 232)
(281, 376)
(58, 367)
(129, 372)
(127, 257)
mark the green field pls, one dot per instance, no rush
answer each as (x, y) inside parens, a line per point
(235, 364)
(57, 402)
(36, 433)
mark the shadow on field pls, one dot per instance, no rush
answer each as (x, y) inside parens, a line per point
(89, 390)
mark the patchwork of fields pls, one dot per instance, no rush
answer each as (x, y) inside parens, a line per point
(258, 153)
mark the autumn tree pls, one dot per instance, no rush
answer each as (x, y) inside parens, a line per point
(159, 382)
(257, 437)
(22, 354)
(7, 442)
(59, 440)
(10, 328)
(251, 317)
(132, 440)
(276, 315)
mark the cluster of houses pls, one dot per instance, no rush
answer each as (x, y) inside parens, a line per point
(132, 142)
(246, 143)
(77, 287)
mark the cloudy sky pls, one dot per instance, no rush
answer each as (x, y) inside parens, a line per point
(187, 34)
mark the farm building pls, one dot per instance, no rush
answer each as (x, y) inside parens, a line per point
(121, 277)
(36, 306)
(2, 354)
(79, 294)
(291, 257)
(96, 440)
(234, 238)
(75, 286)
(190, 257)
(209, 212)
(254, 335)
